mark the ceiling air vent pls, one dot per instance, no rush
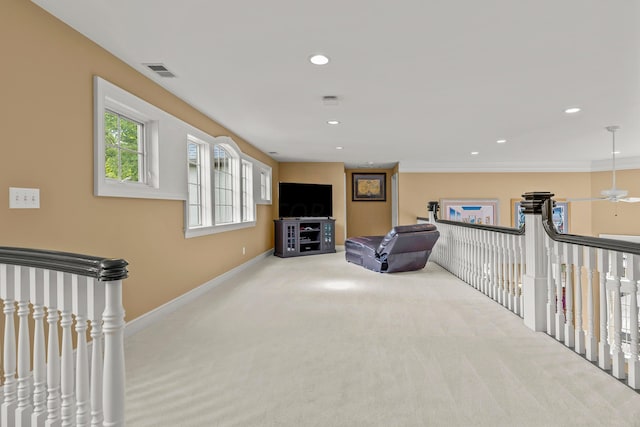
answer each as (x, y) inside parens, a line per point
(160, 70)
(330, 100)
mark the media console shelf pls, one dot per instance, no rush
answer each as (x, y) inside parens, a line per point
(304, 236)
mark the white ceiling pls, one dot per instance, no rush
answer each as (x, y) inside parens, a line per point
(420, 82)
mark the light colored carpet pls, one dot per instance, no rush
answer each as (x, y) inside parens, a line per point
(315, 341)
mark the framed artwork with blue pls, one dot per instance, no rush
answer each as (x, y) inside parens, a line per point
(560, 215)
(472, 211)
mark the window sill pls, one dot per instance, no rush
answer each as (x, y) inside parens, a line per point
(133, 190)
(214, 229)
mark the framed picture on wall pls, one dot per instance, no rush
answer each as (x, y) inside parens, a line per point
(560, 215)
(369, 187)
(472, 211)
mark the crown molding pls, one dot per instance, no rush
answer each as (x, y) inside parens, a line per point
(621, 164)
(576, 166)
(495, 167)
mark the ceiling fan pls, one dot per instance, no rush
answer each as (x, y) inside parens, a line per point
(612, 194)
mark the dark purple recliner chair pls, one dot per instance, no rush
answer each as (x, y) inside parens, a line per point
(404, 248)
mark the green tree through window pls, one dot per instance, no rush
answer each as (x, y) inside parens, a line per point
(124, 153)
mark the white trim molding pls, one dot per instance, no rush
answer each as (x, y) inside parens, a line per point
(551, 166)
(139, 323)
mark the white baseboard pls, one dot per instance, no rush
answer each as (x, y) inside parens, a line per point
(139, 323)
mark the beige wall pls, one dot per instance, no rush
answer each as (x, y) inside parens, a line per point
(616, 218)
(417, 189)
(46, 117)
(368, 218)
(318, 173)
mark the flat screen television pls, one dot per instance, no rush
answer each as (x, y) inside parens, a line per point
(297, 200)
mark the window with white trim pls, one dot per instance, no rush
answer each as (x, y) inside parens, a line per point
(262, 183)
(124, 157)
(248, 206)
(265, 186)
(127, 151)
(221, 186)
(224, 193)
(195, 182)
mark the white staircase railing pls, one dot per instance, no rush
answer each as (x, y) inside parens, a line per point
(489, 258)
(581, 290)
(43, 382)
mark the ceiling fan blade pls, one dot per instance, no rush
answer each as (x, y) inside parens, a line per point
(631, 199)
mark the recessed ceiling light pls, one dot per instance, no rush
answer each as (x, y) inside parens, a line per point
(319, 59)
(339, 148)
(501, 141)
(616, 152)
(572, 110)
(475, 153)
(333, 122)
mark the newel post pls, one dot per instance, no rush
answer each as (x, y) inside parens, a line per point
(432, 207)
(534, 283)
(113, 376)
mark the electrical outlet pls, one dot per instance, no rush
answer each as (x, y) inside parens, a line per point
(244, 250)
(24, 198)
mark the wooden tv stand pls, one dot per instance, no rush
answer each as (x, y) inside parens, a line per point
(304, 236)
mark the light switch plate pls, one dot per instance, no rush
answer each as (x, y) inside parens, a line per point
(24, 198)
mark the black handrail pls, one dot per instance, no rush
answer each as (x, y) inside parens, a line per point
(103, 269)
(593, 242)
(545, 204)
(486, 227)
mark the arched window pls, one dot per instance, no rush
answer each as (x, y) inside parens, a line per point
(225, 185)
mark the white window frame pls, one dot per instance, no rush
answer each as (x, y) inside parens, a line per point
(108, 97)
(230, 185)
(210, 226)
(166, 174)
(247, 206)
(141, 151)
(205, 185)
(262, 182)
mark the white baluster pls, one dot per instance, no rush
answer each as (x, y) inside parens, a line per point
(579, 331)
(79, 300)
(560, 317)
(503, 270)
(591, 345)
(114, 385)
(51, 279)
(604, 355)
(513, 273)
(459, 254)
(464, 246)
(474, 258)
(96, 298)
(24, 408)
(495, 278)
(569, 329)
(469, 255)
(37, 284)
(464, 259)
(479, 268)
(66, 363)
(523, 271)
(504, 242)
(7, 293)
(486, 280)
(551, 303)
(498, 248)
(633, 273)
(617, 270)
